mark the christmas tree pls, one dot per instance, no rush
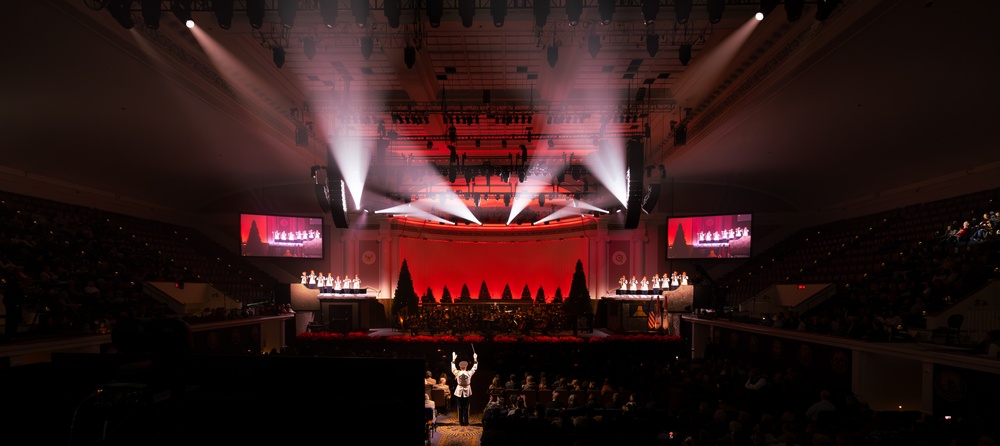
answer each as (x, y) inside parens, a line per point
(558, 297)
(428, 296)
(465, 296)
(484, 292)
(446, 295)
(578, 304)
(405, 301)
(254, 245)
(540, 296)
(526, 293)
(507, 295)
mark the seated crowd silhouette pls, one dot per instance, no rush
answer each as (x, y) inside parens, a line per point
(77, 270)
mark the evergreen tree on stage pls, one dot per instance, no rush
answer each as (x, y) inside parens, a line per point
(558, 297)
(525, 293)
(680, 247)
(465, 296)
(254, 245)
(540, 296)
(428, 296)
(507, 295)
(484, 292)
(446, 295)
(405, 301)
(578, 303)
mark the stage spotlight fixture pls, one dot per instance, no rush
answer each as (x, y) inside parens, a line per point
(552, 55)
(663, 172)
(255, 13)
(541, 9)
(593, 45)
(715, 10)
(574, 8)
(793, 9)
(121, 10)
(506, 199)
(652, 46)
(477, 199)
(223, 10)
(392, 10)
(435, 9)
(328, 9)
(498, 8)
(606, 8)
(452, 134)
(766, 6)
(286, 12)
(367, 46)
(682, 10)
(360, 10)
(151, 13)
(650, 8)
(181, 10)
(541, 199)
(824, 8)
(309, 47)
(278, 54)
(409, 56)
(685, 53)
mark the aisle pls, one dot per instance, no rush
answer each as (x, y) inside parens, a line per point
(450, 433)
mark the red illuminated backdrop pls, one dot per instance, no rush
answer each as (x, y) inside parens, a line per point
(549, 264)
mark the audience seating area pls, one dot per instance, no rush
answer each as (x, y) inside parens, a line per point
(890, 267)
(80, 268)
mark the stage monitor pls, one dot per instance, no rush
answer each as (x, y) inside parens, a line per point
(724, 236)
(281, 236)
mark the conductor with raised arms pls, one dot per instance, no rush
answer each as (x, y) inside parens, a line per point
(463, 390)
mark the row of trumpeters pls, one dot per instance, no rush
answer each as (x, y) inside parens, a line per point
(330, 284)
(667, 282)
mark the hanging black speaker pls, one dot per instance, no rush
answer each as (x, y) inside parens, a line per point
(633, 163)
(337, 190)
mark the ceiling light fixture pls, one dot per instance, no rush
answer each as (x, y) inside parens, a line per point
(255, 13)
(682, 10)
(793, 9)
(181, 10)
(650, 8)
(498, 9)
(151, 13)
(467, 10)
(328, 9)
(286, 12)
(606, 8)
(435, 9)
(541, 9)
(309, 47)
(121, 10)
(593, 45)
(574, 8)
(360, 10)
(715, 10)
(392, 10)
(223, 10)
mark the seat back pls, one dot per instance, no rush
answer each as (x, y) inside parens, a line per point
(438, 396)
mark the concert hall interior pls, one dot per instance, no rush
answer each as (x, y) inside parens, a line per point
(741, 221)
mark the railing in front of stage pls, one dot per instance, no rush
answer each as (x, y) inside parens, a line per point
(497, 317)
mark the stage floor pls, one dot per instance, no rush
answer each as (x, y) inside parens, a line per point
(598, 333)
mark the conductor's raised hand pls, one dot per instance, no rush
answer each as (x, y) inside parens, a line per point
(454, 356)
(475, 357)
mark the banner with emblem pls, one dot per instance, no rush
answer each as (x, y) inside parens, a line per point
(368, 261)
(618, 262)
